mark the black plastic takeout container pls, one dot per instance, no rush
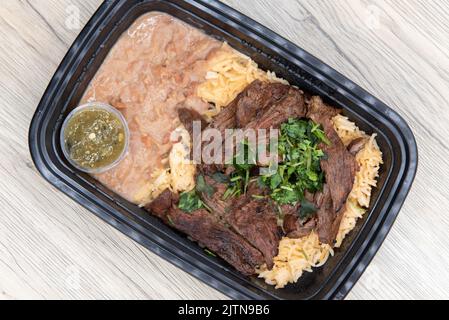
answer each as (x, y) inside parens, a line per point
(271, 52)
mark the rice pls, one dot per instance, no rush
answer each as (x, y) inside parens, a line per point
(295, 257)
(160, 181)
(182, 169)
(370, 158)
(178, 177)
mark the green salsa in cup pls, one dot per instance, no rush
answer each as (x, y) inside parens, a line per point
(95, 137)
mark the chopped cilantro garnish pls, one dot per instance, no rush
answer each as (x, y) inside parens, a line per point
(300, 169)
(203, 187)
(307, 209)
(190, 201)
(243, 163)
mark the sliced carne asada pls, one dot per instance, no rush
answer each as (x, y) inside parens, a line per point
(204, 228)
(226, 119)
(253, 219)
(162, 204)
(188, 117)
(215, 200)
(288, 209)
(291, 105)
(295, 228)
(256, 98)
(339, 168)
(328, 220)
(208, 231)
(244, 231)
(319, 112)
(256, 221)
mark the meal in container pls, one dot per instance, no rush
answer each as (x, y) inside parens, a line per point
(258, 172)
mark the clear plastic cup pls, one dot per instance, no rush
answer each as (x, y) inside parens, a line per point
(95, 106)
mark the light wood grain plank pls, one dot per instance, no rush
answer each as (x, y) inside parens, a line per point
(397, 50)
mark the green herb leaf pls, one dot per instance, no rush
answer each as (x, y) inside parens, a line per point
(203, 187)
(190, 201)
(307, 209)
(232, 190)
(220, 177)
(210, 253)
(275, 181)
(243, 163)
(321, 136)
(300, 170)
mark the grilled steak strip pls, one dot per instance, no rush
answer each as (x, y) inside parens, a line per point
(357, 145)
(215, 201)
(202, 227)
(328, 220)
(339, 168)
(253, 219)
(209, 232)
(244, 231)
(188, 117)
(290, 105)
(255, 99)
(294, 227)
(256, 221)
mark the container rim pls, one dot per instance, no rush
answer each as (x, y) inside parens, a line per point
(408, 152)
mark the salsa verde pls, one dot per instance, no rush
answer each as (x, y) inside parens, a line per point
(94, 138)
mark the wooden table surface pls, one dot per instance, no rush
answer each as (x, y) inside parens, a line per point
(51, 248)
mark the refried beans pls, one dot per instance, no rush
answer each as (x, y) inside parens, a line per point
(153, 69)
